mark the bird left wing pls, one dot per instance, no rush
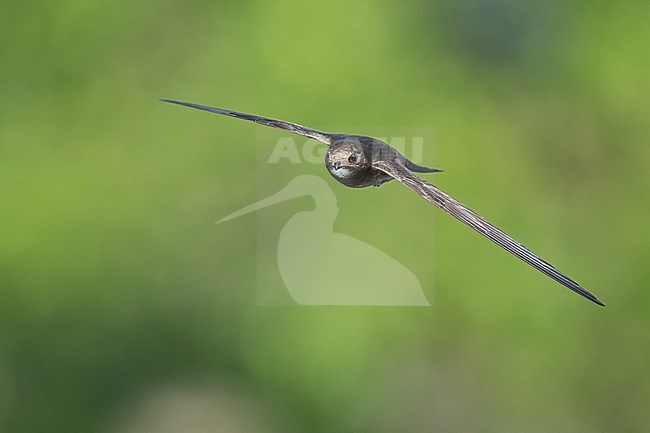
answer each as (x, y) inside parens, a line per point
(266, 121)
(475, 221)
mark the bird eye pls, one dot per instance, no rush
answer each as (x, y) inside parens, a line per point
(354, 156)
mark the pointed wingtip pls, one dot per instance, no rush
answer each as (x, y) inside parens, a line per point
(185, 104)
(591, 297)
(599, 303)
(171, 101)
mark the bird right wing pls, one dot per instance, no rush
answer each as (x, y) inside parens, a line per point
(475, 221)
(280, 124)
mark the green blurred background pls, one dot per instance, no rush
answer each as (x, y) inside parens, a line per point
(123, 308)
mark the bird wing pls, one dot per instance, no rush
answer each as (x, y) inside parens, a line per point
(280, 124)
(465, 215)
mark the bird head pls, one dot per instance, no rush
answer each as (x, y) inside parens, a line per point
(346, 156)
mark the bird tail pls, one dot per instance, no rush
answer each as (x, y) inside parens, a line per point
(420, 169)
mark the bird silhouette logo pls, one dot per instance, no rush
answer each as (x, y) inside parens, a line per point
(358, 161)
(321, 267)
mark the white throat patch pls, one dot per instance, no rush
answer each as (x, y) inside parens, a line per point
(342, 172)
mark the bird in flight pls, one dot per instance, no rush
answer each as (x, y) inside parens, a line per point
(357, 161)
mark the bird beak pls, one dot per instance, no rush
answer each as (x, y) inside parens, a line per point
(336, 165)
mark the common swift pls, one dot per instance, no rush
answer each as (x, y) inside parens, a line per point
(358, 161)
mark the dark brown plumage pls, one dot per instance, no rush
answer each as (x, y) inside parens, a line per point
(359, 161)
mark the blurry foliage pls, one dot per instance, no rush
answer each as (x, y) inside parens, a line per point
(115, 286)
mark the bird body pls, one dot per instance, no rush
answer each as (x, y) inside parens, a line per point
(358, 161)
(349, 159)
